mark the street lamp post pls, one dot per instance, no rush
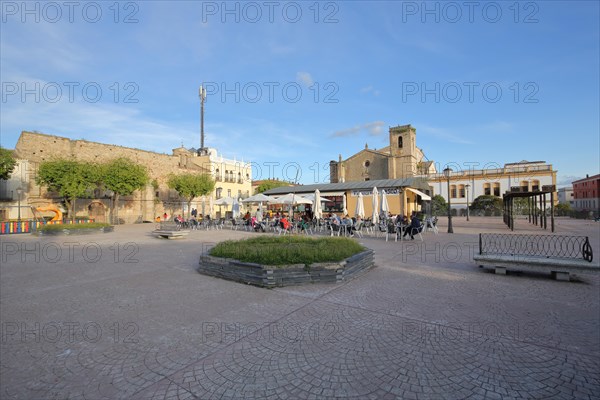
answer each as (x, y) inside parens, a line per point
(467, 186)
(19, 193)
(447, 172)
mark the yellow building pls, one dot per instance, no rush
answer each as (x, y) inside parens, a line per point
(403, 195)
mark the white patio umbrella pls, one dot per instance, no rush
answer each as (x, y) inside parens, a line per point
(360, 207)
(375, 217)
(345, 211)
(293, 199)
(235, 209)
(225, 201)
(258, 198)
(384, 204)
(311, 197)
(317, 206)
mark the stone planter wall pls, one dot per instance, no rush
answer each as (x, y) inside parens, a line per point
(287, 275)
(83, 231)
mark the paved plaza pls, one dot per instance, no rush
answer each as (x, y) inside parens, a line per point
(126, 316)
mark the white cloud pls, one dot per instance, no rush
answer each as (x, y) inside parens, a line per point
(370, 89)
(305, 78)
(373, 128)
(566, 180)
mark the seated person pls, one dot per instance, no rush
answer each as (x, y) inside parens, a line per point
(285, 224)
(414, 227)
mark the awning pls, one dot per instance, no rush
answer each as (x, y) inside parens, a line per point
(418, 192)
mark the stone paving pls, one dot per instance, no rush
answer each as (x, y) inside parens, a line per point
(126, 316)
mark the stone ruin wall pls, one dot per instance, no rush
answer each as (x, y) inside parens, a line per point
(37, 147)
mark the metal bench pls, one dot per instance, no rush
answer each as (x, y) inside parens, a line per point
(559, 255)
(170, 231)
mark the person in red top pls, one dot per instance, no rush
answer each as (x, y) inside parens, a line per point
(285, 224)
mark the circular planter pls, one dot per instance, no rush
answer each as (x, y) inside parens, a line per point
(286, 275)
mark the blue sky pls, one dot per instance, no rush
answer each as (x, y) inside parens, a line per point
(297, 83)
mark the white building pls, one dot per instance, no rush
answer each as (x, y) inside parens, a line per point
(565, 196)
(529, 176)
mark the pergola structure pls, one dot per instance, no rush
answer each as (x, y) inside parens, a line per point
(534, 199)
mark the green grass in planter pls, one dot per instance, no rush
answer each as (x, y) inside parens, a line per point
(281, 250)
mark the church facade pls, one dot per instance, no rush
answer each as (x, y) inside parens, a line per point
(403, 159)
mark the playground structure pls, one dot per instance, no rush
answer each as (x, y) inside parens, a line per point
(58, 215)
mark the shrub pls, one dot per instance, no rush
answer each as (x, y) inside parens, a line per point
(269, 250)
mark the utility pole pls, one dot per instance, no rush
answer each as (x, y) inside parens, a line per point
(202, 94)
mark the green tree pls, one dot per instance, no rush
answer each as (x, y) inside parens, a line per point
(563, 209)
(521, 205)
(123, 177)
(439, 205)
(190, 186)
(487, 204)
(70, 179)
(7, 163)
(270, 184)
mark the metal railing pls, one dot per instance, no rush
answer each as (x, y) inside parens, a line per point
(549, 246)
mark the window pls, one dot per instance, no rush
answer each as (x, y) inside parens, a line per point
(453, 191)
(367, 179)
(497, 189)
(219, 193)
(461, 191)
(486, 189)
(367, 163)
(335, 205)
(524, 186)
(535, 186)
(228, 192)
(217, 175)
(399, 142)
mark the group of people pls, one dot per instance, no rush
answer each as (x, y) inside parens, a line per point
(407, 227)
(347, 224)
(192, 223)
(399, 223)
